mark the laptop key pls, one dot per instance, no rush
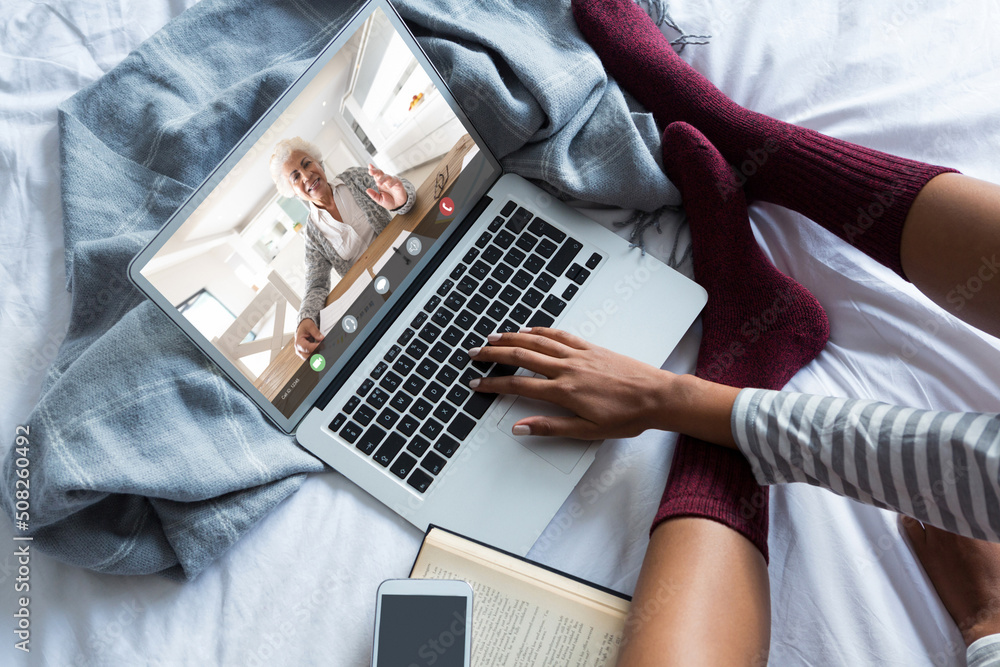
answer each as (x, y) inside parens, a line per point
(573, 270)
(521, 279)
(546, 248)
(405, 337)
(418, 446)
(427, 368)
(351, 432)
(467, 286)
(377, 398)
(366, 387)
(452, 337)
(445, 411)
(534, 264)
(466, 319)
(457, 272)
(414, 385)
(479, 403)
(485, 326)
(483, 240)
(520, 313)
(581, 276)
(403, 465)
(567, 253)
(519, 220)
(490, 288)
(392, 353)
(401, 401)
(433, 302)
(502, 272)
(434, 392)
(421, 409)
(455, 301)
(461, 426)
(391, 381)
(477, 304)
(387, 418)
(479, 270)
(508, 327)
(431, 429)
(508, 208)
(337, 422)
(429, 333)
(442, 291)
(420, 480)
(526, 242)
(407, 425)
(504, 239)
(514, 257)
(496, 224)
(544, 281)
(442, 317)
(364, 415)
(540, 319)
(492, 255)
(351, 404)
(370, 440)
(387, 452)
(459, 359)
(532, 298)
(510, 295)
(554, 305)
(497, 310)
(458, 394)
(417, 349)
(594, 260)
(380, 368)
(542, 228)
(440, 352)
(433, 464)
(419, 320)
(446, 446)
(447, 375)
(570, 292)
(404, 365)
(471, 255)
(473, 340)
(468, 376)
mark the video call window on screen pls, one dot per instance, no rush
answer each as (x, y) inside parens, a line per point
(311, 214)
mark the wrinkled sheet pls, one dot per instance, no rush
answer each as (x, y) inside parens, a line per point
(919, 80)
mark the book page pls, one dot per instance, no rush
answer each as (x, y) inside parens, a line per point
(519, 622)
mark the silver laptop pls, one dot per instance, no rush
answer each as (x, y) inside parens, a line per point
(384, 397)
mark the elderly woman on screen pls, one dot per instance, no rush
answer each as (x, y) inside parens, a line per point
(345, 215)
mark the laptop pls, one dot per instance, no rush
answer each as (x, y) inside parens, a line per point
(384, 397)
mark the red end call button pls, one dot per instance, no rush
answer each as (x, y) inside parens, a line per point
(447, 206)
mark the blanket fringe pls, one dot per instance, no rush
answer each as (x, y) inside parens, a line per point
(658, 11)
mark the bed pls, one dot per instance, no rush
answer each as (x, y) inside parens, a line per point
(918, 79)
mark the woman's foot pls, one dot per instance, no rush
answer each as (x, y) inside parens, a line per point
(966, 574)
(859, 194)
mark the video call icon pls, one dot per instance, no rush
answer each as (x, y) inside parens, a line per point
(317, 362)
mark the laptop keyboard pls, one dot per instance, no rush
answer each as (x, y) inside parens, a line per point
(411, 414)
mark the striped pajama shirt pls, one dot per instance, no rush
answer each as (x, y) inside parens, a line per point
(938, 467)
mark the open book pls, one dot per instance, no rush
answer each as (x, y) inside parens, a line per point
(524, 614)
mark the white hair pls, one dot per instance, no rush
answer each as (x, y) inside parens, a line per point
(282, 151)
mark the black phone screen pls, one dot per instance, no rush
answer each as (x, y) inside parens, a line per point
(422, 631)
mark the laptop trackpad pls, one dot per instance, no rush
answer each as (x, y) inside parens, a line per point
(563, 453)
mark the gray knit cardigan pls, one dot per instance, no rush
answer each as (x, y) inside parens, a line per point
(321, 258)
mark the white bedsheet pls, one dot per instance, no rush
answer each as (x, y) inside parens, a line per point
(917, 78)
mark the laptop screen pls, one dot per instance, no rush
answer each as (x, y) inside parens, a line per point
(325, 212)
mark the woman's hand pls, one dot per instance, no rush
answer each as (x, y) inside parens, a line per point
(390, 194)
(612, 395)
(307, 338)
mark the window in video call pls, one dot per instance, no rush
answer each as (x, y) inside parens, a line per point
(297, 249)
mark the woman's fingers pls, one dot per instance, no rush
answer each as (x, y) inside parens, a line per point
(521, 357)
(560, 336)
(569, 427)
(541, 344)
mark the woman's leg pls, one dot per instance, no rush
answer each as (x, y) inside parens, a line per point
(950, 248)
(702, 599)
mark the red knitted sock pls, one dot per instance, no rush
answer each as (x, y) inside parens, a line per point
(859, 194)
(759, 328)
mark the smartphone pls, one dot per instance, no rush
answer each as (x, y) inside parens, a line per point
(423, 623)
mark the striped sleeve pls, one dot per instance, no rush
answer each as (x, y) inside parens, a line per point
(942, 468)
(984, 652)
